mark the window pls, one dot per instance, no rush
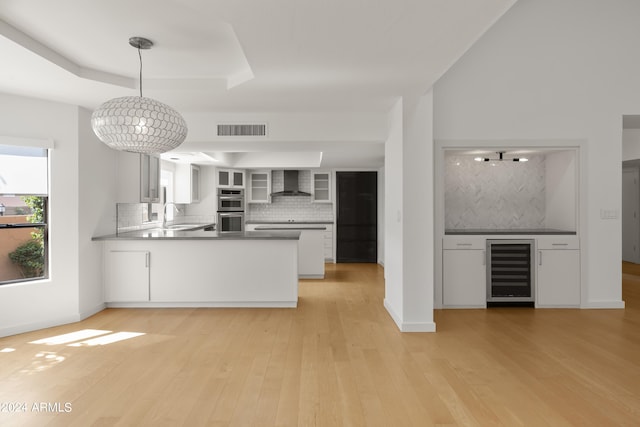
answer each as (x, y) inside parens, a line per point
(23, 213)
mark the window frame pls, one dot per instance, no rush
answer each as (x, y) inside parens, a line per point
(47, 146)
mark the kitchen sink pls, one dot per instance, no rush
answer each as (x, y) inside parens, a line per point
(184, 227)
(181, 227)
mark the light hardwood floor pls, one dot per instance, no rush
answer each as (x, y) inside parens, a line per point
(338, 359)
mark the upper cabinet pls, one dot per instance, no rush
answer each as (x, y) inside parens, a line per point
(138, 178)
(321, 186)
(187, 183)
(150, 178)
(230, 178)
(260, 187)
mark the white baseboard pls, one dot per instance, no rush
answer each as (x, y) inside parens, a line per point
(604, 304)
(418, 327)
(30, 327)
(88, 313)
(393, 314)
(241, 304)
(409, 326)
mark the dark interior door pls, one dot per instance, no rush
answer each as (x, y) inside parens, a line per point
(357, 217)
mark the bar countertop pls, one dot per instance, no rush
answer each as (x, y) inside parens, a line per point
(289, 222)
(200, 234)
(508, 231)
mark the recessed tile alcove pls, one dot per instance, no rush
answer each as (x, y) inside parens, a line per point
(540, 193)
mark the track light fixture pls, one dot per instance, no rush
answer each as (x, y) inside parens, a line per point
(501, 158)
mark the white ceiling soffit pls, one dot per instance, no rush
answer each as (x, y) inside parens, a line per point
(333, 55)
(92, 43)
(278, 160)
(192, 157)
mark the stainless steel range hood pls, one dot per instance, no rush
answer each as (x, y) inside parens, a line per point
(291, 187)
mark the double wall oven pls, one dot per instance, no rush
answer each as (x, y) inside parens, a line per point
(230, 210)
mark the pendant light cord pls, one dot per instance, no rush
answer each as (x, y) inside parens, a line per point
(140, 56)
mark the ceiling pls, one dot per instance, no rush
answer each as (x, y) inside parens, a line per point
(238, 56)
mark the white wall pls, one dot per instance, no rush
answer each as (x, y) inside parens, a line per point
(82, 204)
(381, 215)
(409, 237)
(554, 69)
(34, 305)
(393, 249)
(97, 212)
(302, 128)
(418, 231)
(561, 190)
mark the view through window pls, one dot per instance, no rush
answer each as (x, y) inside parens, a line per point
(23, 214)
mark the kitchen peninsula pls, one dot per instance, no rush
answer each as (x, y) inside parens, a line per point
(198, 268)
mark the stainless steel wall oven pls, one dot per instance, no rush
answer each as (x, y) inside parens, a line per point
(230, 200)
(230, 210)
(230, 222)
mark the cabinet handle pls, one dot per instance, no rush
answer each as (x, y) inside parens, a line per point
(484, 257)
(146, 260)
(539, 257)
(463, 244)
(559, 244)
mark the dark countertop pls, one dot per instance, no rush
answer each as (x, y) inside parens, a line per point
(293, 227)
(289, 222)
(200, 234)
(508, 231)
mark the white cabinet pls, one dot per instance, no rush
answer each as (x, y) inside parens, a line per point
(328, 243)
(187, 183)
(127, 276)
(149, 178)
(311, 249)
(321, 183)
(201, 273)
(138, 178)
(558, 272)
(311, 254)
(464, 273)
(260, 187)
(230, 178)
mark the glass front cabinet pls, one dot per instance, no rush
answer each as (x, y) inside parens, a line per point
(260, 187)
(321, 182)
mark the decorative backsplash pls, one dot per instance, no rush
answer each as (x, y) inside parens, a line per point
(136, 216)
(285, 208)
(494, 194)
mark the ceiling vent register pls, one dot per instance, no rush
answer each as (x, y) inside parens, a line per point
(242, 129)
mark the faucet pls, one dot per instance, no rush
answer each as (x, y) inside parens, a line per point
(164, 212)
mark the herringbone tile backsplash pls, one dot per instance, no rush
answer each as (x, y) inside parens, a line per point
(494, 194)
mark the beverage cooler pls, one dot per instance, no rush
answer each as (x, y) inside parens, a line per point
(510, 271)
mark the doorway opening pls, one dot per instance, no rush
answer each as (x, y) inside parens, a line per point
(357, 217)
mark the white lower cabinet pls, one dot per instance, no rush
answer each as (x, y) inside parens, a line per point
(557, 271)
(312, 250)
(127, 276)
(464, 273)
(558, 268)
(328, 243)
(201, 273)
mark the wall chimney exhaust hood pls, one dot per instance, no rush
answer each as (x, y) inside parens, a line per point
(291, 187)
